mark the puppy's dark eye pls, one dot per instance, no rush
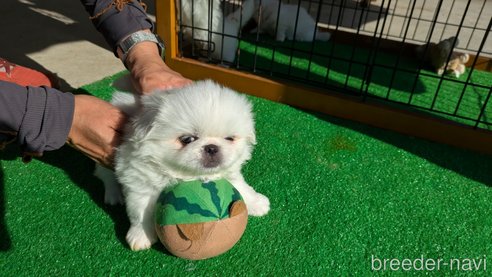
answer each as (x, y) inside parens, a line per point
(187, 139)
(231, 138)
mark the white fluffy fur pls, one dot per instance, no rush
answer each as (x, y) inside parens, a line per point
(210, 23)
(286, 26)
(152, 157)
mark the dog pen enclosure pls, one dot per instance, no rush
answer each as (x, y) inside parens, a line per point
(369, 71)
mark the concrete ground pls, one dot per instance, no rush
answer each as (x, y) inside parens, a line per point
(452, 13)
(57, 36)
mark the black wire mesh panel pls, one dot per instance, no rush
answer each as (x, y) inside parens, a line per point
(431, 55)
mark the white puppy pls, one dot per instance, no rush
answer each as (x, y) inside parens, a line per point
(202, 131)
(280, 22)
(205, 24)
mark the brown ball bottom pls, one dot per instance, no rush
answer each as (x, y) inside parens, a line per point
(198, 241)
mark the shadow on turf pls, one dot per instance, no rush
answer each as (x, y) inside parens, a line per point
(5, 241)
(80, 170)
(469, 164)
(8, 154)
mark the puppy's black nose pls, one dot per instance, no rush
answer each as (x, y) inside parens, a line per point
(211, 149)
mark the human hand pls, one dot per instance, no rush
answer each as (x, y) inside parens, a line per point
(148, 70)
(96, 128)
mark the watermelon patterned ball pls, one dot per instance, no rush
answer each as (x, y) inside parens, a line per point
(199, 220)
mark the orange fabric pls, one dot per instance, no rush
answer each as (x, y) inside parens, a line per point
(23, 76)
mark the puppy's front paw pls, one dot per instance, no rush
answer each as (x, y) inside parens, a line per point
(258, 204)
(138, 239)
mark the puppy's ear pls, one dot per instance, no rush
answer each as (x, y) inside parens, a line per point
(126, 102)
(251, 138)
(145, 120)
(143, 124)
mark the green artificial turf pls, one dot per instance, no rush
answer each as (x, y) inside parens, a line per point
(310, 63)
(341, 194)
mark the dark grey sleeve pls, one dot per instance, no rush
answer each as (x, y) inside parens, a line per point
(115, 25)
(40, 117)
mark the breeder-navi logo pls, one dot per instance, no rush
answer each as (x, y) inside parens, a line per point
(429, 264)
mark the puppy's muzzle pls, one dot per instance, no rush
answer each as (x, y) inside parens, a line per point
(212, 156)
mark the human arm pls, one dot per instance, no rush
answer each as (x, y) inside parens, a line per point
(39, 119)
(96, 129)
(118, 19)
(43, 119)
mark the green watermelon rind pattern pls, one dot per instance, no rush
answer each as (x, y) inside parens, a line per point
(195, 201)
